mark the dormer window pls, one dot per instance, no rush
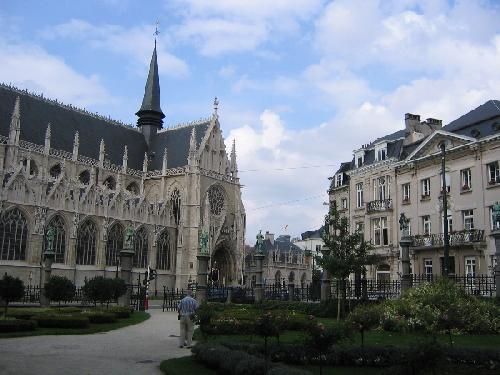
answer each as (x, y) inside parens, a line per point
(359, 158)
(338, 179)
(381, 152)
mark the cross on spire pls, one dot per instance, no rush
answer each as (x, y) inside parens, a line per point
(157, 32)
(216, 105)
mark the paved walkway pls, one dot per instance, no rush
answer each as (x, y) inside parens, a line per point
(137, 349)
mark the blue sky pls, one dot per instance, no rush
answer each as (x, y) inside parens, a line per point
(300, 83)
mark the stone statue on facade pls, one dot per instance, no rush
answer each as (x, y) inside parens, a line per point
(203, 242)
(128, 240)
(50, 236)
(259, 246)
(404, 225)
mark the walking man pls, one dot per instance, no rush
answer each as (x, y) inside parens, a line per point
(186, 309)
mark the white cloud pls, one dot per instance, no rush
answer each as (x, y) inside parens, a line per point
(136, 43)
(31, 67)
(218, 27)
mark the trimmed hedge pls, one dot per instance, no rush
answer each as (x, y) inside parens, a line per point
(237, 362)
(16, 325)
(120, 312)
(100, 317)
(62, 321)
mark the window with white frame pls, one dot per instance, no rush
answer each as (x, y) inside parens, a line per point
(381, 152)
(344, 203)
(468, 216)
(426, 187)
(447, 180)
(360, 158)
(450, 223)
(428, 267)
(470, 266)
(493, 173)
(380, 231)
(338, 179)
(426, 224)
(466, 179)
(494, 225)
(360, 228)
(406, 192)
(381, 188)
(359, 195)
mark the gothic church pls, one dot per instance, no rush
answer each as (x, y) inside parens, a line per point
(89, 178)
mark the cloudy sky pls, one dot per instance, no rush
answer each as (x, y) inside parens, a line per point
(301, 83)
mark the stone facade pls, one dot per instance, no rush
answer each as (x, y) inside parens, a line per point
(284, 263)
(90, 178)
(401, 173)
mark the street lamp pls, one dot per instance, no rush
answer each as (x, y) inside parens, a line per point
(446, 239)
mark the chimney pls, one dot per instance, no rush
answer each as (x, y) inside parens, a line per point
(434, 123)
(270, 237)
(411, 122)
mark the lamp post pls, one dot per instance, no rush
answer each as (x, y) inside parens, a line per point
(446, 239)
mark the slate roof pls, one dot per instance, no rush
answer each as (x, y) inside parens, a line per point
(37, 112)
(282, 243)
(312, 234)
(481, 122)
(176, 141)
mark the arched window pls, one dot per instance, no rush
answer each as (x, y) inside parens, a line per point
(164, 255)
(175, 200)
(110, 183)
(133, 188)
(216, 199)
(86, 243)
(114, 244)
(277, 278)
(59, 245)
(13, 235)
(291, 277)
(33, 169)
(55, 171)
(141, 248)
(84, 177)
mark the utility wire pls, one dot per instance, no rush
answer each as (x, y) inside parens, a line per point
(288, 202)
(289, 168)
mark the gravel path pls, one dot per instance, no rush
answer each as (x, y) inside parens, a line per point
(137, 349)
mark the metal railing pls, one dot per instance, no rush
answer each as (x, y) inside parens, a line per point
(456, 238)
(379, 205)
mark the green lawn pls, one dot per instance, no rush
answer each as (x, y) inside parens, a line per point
(136, 318)
(372, 338)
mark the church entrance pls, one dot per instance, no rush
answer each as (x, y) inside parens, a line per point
(222, 267)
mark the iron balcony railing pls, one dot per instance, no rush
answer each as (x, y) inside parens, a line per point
(456, 238)
(380, 205)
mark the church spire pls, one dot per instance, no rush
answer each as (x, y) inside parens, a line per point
(234, 165)
(150, 114)
(151, 100)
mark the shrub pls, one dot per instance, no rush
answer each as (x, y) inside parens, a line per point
(62, 321)
(267, 325)
(16, 325)
(120, 312)
(364, 318)
(441, 307)
(103, 290)
(11, 289)
(100, 317)
(59, 288)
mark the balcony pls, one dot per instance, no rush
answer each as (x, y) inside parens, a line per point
(379, 206)
(461, 238)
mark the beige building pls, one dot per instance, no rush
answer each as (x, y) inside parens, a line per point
(401, 173)
(89, 178)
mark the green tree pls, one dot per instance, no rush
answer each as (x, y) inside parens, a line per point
(348, 252)
(98, 289)
(118, 286)
(59, 288)
(11, 289)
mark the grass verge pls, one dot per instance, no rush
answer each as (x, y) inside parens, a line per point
(136, 318)
(184, 366)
